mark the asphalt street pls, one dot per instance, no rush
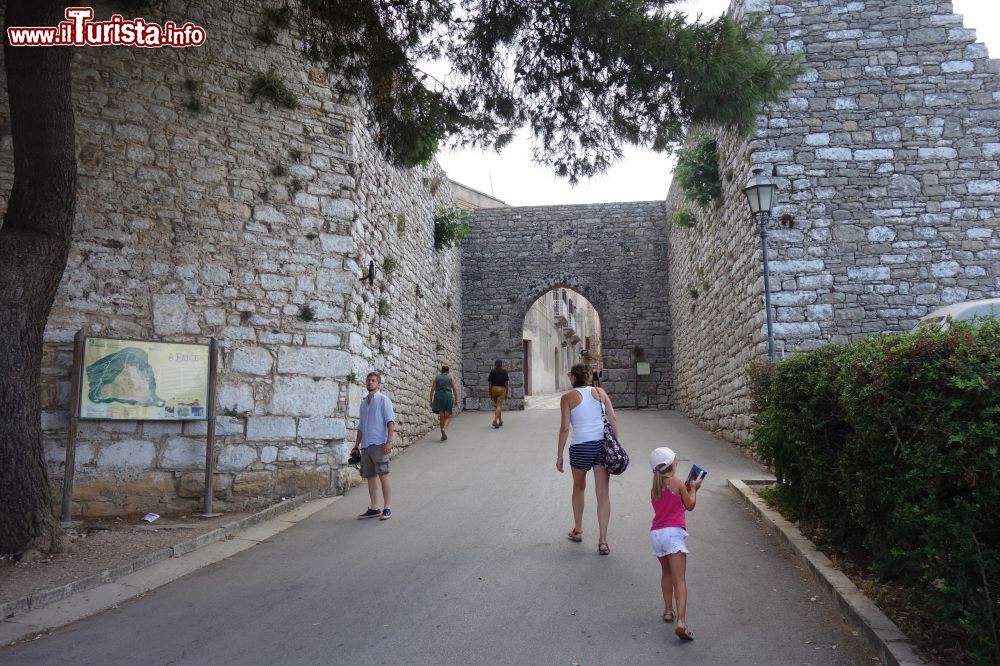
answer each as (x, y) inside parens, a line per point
(474, 568)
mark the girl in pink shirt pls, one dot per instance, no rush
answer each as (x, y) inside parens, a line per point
(671, 497)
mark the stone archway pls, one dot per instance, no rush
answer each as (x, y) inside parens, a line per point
(614, 255)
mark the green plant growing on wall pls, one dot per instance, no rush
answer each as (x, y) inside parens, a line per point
(195, 87)
(279, 170)
(401, 223)
(359, 312)
(294, 187)
(272, 19)
(295, 153)
(306, 313)
(685, 218)
(233, 412)
(383, 307)
(451, 225)
(389, 266)
(311, 236)
(438, 347)
(351, 377)
(418, 292)
(269, 86)
(693, 292)
(697, 170)
(381, 342)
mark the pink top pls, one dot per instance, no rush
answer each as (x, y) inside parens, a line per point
(668, 511)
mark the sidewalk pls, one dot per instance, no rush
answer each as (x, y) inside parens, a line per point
(48, 608)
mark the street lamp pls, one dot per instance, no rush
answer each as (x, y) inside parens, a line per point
(760, 196)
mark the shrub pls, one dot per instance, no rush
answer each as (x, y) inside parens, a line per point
(270, 87)
(893, 445)
(685, 218)
(697, 170)
(451, 225)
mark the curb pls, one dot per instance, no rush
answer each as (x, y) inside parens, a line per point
(40, 598)
(882, 634)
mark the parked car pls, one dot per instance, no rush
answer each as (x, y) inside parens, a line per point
(941, 318)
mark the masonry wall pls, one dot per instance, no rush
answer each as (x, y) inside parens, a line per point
(204, 213)
(611, 254)
(886, 157)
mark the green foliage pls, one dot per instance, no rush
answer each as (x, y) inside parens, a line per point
(383, 307)
(233, 412)
(389, 266)
(418, 292)
(272, 19)
(270, 87)
(697, 170)
(451, 225)
(279, 170)
(401, 223)
(294, 186)
(359, 313)
(306, 313)
(587, 77)
(892, 447)
(685, 218)
(352, 378)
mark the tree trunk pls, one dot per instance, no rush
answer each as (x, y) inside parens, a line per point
(34, 244)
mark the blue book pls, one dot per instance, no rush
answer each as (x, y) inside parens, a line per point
(696, 474)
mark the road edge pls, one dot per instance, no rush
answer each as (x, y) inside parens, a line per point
(16, 623)
(889, 643)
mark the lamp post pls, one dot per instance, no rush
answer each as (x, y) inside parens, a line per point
(760, 196)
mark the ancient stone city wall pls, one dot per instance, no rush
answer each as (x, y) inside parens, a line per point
(886, 157)
(203, 213)
(612, 254)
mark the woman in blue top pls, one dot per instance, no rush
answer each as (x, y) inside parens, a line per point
(444, 395)
(583, 410)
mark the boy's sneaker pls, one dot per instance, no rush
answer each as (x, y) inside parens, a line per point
(370, 513)
(386, 514)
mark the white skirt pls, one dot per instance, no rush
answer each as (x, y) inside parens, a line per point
(668, 540)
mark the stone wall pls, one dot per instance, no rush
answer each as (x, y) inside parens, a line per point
(204, 213)
(612, 254)
(886, 157)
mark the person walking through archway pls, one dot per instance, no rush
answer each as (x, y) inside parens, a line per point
(443, 397)
(499, 390)
(582, 410)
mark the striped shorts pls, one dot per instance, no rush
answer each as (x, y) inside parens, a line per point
(586, 454)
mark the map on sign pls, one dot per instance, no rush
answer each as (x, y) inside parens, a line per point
(143, 380)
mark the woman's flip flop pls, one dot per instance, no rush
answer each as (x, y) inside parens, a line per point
(575, 535)
(603, 549)
(668, 616)
(684, 633)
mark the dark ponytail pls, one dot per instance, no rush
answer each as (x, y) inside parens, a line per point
(581, 375)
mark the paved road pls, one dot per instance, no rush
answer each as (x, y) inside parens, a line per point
(474, 568)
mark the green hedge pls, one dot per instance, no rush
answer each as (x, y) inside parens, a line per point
(890, 447)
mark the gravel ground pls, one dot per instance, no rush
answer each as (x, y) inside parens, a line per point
(103, 544)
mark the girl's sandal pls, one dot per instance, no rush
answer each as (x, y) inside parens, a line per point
(668, 616)
(603, 549)
(575, 535)
(684, 633)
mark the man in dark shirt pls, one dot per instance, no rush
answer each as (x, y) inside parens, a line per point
(499, 390)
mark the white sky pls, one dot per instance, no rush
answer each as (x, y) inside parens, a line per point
(641, 175)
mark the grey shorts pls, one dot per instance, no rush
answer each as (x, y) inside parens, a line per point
(374, 461)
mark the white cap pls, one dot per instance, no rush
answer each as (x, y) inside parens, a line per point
(662, 458)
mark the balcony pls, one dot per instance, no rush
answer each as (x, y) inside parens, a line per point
(560, 312)
(570, 330)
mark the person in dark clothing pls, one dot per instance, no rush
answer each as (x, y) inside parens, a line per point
(499, 390)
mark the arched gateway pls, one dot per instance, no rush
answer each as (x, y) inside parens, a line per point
(615, 255)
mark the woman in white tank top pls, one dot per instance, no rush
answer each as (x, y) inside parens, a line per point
(581, 411)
